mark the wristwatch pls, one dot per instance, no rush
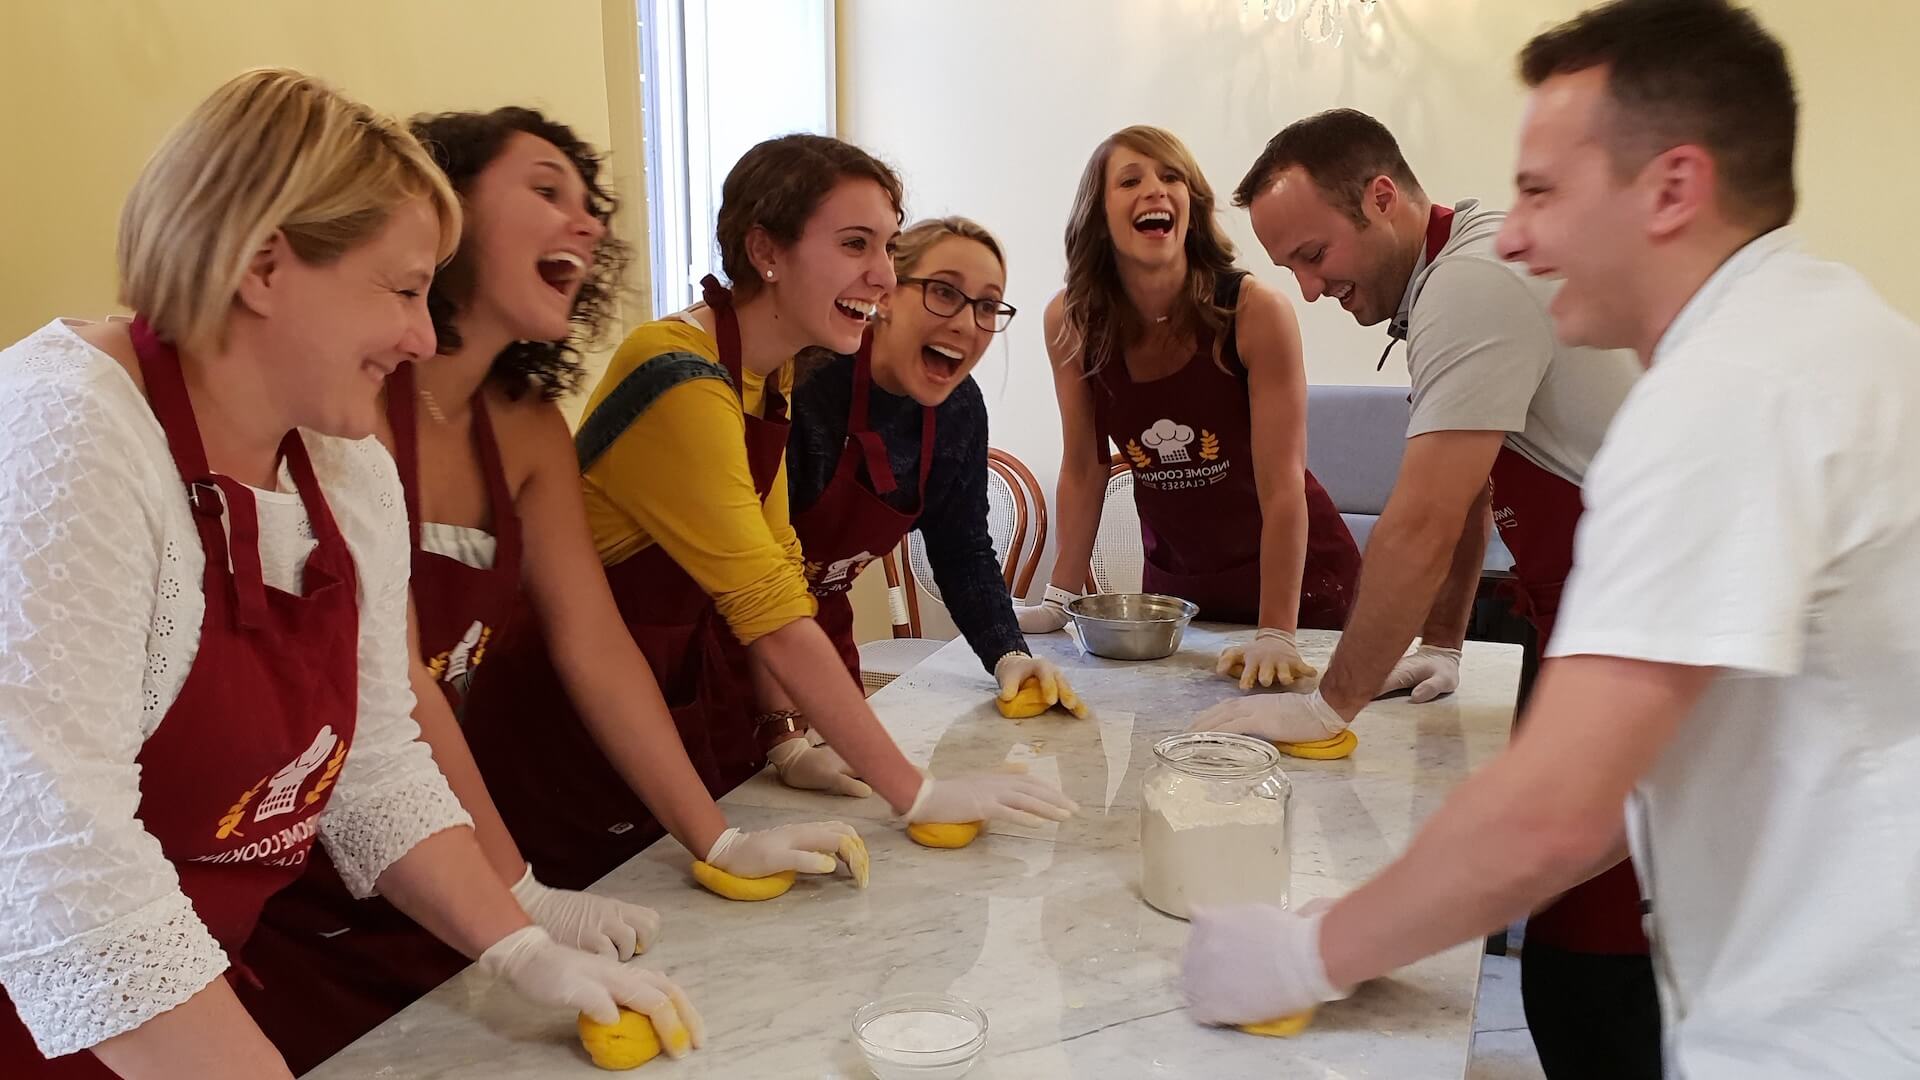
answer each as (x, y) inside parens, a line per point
(776, 726)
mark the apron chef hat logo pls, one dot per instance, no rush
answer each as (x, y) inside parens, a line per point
(841, 569)
(285, 785)
(1169, 440)
(459, 659)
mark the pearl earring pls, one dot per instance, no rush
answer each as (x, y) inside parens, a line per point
(769, 275)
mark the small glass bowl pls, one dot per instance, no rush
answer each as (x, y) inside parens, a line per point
(894, 1063)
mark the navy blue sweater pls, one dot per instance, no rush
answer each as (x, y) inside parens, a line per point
(954, 519)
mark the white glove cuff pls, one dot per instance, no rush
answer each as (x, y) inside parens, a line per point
(997, 664)
(1316, 965)
(1326, 714)
(926, 788)
(1058, 596)
(1268, 633)
(786, 752)
(527, 888)
(719, 849)
(1437, 650)
(502, 956)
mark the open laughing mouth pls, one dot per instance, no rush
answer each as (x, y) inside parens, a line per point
(860, 311)
(1155, 223)
(943, 361)
(562, 271)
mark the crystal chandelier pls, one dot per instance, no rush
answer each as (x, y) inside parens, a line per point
(1322, 22)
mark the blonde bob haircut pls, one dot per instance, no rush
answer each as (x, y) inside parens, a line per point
(272, 150)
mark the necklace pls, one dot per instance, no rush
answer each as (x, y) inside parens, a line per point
(433, 407)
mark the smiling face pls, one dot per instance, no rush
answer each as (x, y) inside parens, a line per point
(924, 355)
(828, 283)
(337, 329)
(1576, 219)
(1363, 268)
(531, 235)
(1148, 208)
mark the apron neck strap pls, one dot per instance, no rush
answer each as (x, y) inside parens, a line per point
(404, 420)
(726, 326)
(506, 518)
(403, 416)
(872, 448)
(212, 495)
(167, 395)
(726, 333)
(1439, 231)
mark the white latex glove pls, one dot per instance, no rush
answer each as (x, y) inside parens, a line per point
(1428, 671)
(1013, 797)
(808, 848)
(1250, 963)
(803, 765)
(1047, 616)
(1281, 718)
(550, 973)
(1271, 657)
(581, 920)
(1014, 669)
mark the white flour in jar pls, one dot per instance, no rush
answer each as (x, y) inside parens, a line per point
(1196, 849)
(918, 1032)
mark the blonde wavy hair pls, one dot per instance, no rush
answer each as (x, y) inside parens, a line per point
(1097, 311)
(271, 150)
(917, 239)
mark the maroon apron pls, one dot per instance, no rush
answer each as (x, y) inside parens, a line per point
(1537, 513)
(333, 967)
(851, 525)
(1188, 437)
(233, 781)
(571, 813)
(460, 608)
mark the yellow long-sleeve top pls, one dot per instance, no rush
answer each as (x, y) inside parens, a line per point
(677, 476)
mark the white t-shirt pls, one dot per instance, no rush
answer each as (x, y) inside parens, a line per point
(1482, 356)
(1756, 508)
(100, 612)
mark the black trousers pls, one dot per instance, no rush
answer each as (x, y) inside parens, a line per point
(1593, 1016)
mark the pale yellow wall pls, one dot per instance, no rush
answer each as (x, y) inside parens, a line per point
(990, 107)
(92, 85)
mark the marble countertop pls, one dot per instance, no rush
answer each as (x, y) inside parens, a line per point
(1042, 928)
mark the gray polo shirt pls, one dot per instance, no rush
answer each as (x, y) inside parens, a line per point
(1482, 355)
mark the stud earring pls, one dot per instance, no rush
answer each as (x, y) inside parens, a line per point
(769, 275)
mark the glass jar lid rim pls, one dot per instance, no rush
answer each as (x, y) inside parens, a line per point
(1218, 755)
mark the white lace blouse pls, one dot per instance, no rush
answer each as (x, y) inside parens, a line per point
(100, 610)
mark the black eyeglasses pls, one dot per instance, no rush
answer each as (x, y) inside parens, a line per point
(946, 301)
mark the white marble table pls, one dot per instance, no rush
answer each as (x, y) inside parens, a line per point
(1044, 929)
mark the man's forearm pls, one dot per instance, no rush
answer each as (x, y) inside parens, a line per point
(1488, 857)
(1446, 624)
(1407, 558)
(1541, 818)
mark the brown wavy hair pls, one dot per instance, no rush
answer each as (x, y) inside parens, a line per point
(777, 185)
(464, 144)
(1097, 311)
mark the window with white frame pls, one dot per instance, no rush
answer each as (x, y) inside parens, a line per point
(721, 75)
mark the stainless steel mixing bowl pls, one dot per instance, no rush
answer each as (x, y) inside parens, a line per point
(1131, 626)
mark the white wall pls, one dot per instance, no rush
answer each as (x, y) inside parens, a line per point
(990, 108)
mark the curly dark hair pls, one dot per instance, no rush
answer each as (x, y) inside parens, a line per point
(464, 144)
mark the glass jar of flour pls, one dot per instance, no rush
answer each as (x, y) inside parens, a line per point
(1214, 827)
